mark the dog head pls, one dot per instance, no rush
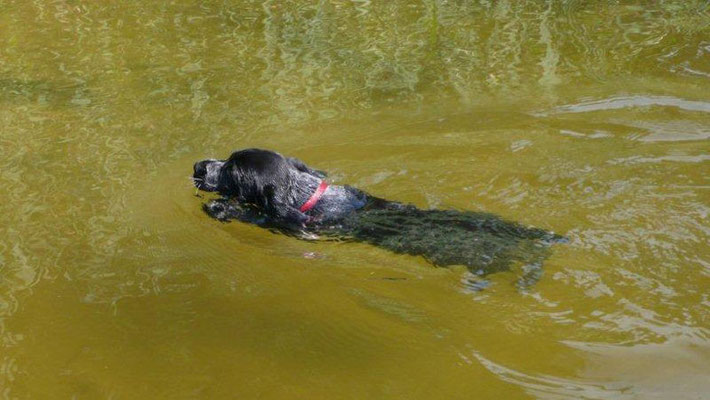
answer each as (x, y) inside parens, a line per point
(244, 174)
(273, 183)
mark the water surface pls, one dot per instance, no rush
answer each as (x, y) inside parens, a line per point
(591, 119)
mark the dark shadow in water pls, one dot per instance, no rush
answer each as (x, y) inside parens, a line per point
(483, 242)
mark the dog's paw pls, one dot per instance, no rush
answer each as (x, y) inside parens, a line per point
(219, 210)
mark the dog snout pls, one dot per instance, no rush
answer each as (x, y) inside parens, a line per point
(206, 174)
(200, 169)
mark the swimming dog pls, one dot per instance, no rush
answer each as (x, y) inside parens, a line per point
(284, 194)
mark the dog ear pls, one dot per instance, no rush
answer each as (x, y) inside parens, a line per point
(301, 166)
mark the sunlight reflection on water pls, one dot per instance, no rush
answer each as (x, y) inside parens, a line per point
(589, 119)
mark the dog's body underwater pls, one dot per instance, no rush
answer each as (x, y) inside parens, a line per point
(282, 193)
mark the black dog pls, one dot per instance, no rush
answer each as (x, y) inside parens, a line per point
(284, 194)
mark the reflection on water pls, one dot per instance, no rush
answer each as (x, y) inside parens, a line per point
(586, 118)
(634, 101)
(550, 387)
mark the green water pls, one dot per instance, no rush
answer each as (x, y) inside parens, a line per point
(589, 118)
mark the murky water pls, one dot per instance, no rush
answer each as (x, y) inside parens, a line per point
(586, 118)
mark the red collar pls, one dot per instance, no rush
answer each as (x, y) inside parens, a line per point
(311, 202)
